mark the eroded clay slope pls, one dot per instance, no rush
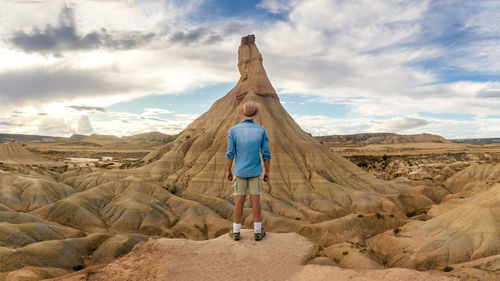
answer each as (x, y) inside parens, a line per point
(15, 153)
(468, 232)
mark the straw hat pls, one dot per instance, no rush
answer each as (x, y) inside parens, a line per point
(249, 110)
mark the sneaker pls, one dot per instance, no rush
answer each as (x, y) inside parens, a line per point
(234, 235)
(259, 236)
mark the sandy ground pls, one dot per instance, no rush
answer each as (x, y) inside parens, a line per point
(280, 256)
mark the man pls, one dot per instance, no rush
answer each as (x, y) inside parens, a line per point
(246, 141)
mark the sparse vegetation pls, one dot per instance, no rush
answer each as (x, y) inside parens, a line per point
(417, 212)
(447, 268)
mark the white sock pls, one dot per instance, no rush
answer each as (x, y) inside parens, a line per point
(236, 227)
(257, 226)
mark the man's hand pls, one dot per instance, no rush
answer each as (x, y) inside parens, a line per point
(229, 174)
(266, 177)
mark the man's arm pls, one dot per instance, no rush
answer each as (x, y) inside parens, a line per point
(231, 148)
(267, 174)
(229, 174)
(266, 155)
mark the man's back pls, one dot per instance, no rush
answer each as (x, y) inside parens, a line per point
(245, 142)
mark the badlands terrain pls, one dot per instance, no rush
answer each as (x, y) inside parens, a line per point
(158, 207)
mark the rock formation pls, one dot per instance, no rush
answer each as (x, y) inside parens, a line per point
(277, 257)
(308, 182)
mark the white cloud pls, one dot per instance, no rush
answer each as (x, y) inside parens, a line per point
(54, 127)
(155, 111)
(276, 6)
(84, 125)
(399, 124)
(486, 21)
(86, 65)
(365, 53)
(136, 123)
(480, 56)
(369, 51)
(320, 125)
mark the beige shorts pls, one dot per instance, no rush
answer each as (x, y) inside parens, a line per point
(242, 185)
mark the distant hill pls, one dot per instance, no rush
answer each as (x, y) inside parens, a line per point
(28, 138)
(15, 153)
(378, 138)
(477, 141)
(139, 141)
(101, 139)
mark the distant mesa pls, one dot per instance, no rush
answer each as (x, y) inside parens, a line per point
(77, 137)
(28, 138)
(478, 141)
(379, 138)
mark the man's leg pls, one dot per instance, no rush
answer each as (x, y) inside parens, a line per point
(256, 212)
(255, 185)
(259, 233)
(238, 208)
(239, 188)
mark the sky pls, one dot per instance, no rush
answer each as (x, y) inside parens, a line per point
(124, 67)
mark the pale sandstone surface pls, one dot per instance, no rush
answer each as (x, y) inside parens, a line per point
(276, 257)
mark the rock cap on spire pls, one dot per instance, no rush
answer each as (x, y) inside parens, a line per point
(249, 39)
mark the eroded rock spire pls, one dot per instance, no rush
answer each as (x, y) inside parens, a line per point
(253, 78)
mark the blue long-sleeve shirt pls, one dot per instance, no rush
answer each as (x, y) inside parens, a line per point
(246, 141)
